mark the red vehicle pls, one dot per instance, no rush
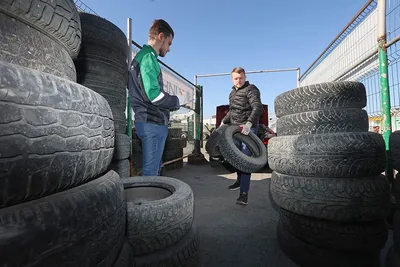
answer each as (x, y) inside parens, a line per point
(264, 132)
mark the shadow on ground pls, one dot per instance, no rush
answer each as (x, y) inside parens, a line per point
(233, 235)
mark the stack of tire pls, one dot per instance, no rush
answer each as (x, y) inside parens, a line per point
(173, 149)
(327, 177)
(102, 66)
(222, 145)
(159, 228)
(393, 257)
(58, 204)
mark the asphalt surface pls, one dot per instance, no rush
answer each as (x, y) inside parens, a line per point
(230, 234)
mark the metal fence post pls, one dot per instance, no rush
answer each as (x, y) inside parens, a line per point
(384, 83)
(197, 126)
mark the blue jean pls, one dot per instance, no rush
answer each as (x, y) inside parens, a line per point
(153, 138)
(243, 178)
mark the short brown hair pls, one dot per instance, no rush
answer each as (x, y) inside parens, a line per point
(238, 70)
(161, 26)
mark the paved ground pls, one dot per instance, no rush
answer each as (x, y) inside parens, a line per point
(233, 235)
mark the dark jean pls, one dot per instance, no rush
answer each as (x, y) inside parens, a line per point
(153, 138)
(243, 178)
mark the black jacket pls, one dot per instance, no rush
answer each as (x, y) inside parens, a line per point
(244, 105)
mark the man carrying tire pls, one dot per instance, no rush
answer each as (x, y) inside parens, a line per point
(150, 103)
(245, 109)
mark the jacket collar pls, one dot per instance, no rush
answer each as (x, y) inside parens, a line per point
(244, 86)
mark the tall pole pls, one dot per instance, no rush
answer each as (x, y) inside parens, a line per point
(128, 102)
(384, 83)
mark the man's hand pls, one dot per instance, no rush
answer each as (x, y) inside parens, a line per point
(246, 128)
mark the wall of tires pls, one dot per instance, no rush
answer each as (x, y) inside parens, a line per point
(62, 135)
(327, 182)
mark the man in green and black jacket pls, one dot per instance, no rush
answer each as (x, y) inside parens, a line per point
(150, 102)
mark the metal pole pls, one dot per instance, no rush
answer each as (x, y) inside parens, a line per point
(298, 77)
(201, 117)
(384, 83)
(128, 104)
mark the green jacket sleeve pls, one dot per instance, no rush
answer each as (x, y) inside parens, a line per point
(150, 72)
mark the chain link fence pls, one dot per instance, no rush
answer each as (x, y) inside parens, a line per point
(353, 56)
(82, 7)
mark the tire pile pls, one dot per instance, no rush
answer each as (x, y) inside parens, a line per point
(173, 149)
(102, 66)
(160, 230)
(222, 145)
(393, 257)
(59, 204)
(327, 177)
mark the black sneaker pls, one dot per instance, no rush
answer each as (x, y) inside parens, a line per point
(242, 200)
(235, 186)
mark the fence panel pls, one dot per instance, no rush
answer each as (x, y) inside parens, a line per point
(352, 56)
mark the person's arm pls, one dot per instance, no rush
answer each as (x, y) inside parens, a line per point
(227, 118)
(253, 95)
(150, 70)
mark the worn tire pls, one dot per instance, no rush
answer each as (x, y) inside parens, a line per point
(185, 253)
(212, 142)
(174, 132)
(369, 236)
(175, 165)
(102, 64)
(156, 224)
(25, 46)
(54, 134)
(307, 255)
(173, 144)
(238, 159)
(394, 148)
(83, 226)
(57, 19)
(329, 95)
(323, 121)
(328, 155)
(337, 199)
(122, 167)
(122, 148)
(172, 154)
(125, 257)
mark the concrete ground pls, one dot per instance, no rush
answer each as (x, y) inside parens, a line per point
(232, 235)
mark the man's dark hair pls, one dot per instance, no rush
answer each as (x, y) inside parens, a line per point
(161, 26)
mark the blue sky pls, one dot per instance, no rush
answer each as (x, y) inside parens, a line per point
(214, 36)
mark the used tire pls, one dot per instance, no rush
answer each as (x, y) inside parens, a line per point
(172, 154)
(102, 64)
(238, 159)
(336, 199)
(174, 132)
(125, 257)
(57, 19)
(122, 148)
(369, 236)
(122, 167)
(160, 212)
(83, 226)
(305, 254)
(323, 121)
(173, 143)
(394, 147)
(185, 253)
(23, 45)
(212, 142)
(328, 155)
(329, 95)
(54, 134)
